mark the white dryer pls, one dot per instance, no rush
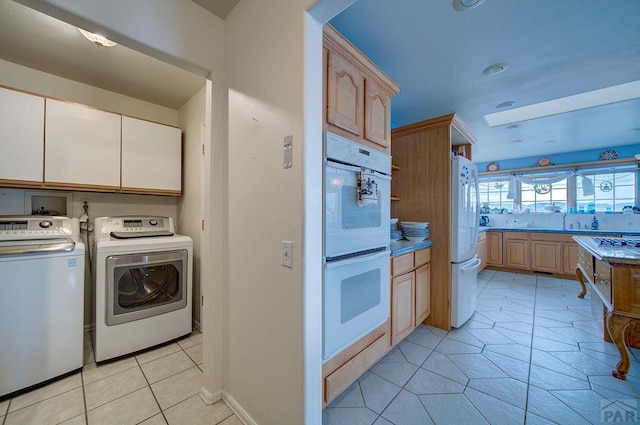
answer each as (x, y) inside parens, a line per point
(143, 275)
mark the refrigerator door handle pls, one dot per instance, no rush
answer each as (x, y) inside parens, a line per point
(473, 266)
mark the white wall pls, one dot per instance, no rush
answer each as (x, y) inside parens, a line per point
(190, 119)
(42, 83)
(265, 69)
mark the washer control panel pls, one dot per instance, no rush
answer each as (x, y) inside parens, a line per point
(37, 227)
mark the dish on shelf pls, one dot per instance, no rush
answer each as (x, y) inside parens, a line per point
(608, 154)
(492, 166)
(414, 238)
(544, 161)
(414, 224)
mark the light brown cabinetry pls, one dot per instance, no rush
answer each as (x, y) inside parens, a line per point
(423, 152)
(483, 250)
(516, 246)
(410, 292)
(617, 286)
(357, 94)
(494, 245)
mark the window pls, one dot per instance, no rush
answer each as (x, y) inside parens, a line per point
(494, 194)
(613, 189)
(544, 197)
(612, 192)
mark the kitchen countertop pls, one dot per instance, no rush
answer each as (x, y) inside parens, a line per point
(612, 255)
(567, 231)
(404, 247)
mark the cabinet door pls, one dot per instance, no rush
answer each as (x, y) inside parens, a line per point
(345, 97)
(402, 306)
(377, 114)
(423, 293)
(151, 157)
(545, 256)
(21, 136)
(482, 252)
(494, 248)
(82, 147)
(570, 258)
(517, 254)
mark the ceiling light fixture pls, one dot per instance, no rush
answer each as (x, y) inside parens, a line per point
(505, 105)
(591, 99)
(464, 5)
(96, 39)
(635, 129)
(512, 126)
(517, 141)
(551, 141)
(495, 69)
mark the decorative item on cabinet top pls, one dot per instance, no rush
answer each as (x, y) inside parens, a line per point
(492, 166)
(608, 155)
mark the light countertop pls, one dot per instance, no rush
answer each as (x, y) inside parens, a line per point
(609, 254)
(567, 231)
(404, 247)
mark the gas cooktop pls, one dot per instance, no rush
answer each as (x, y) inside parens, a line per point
(617, 242)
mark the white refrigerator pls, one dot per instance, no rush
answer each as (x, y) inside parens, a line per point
(464, 236)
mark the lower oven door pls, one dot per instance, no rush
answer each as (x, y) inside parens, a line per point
(145, 285)
(356, 300)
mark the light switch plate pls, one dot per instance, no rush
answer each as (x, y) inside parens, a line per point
(288, 152)
(287, 253)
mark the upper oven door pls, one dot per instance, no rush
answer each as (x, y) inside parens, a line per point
(348, 225)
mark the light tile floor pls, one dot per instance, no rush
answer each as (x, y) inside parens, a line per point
(531, 353)
(157, 387)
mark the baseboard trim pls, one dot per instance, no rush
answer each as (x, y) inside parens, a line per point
(208, 397)
(237, 409)
(196, 324)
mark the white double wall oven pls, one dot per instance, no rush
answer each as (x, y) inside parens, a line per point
(357, 204)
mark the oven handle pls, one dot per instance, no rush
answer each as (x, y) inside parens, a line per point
(38, 248)
(354, 169)
(358, 259)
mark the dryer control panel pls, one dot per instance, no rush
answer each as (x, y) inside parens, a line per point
(134, 226)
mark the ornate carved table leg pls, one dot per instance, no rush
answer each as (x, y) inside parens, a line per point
(616, 326)
(580, 277)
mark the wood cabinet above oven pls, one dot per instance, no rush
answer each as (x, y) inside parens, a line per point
(357, 94)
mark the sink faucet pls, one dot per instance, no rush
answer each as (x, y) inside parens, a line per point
(564, 221)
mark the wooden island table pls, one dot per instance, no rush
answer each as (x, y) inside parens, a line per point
(612, 271)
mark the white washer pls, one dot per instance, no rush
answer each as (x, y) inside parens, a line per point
(143, 279)
(42, 301)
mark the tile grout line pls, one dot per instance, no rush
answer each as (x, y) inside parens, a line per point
(152, 393)
(533, 329)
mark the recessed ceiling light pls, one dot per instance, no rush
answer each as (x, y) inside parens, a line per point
(551, 141)
(518, 141)
(635, 129)
(505, 105)
(96, 39)
(591, 99)
(495, 69)
(464, 5)
(512, 126)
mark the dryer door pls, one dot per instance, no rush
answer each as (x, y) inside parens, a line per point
(145, 285)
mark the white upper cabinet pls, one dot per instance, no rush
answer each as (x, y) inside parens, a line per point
(82, 147)
(151, 157)
(21, 137)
